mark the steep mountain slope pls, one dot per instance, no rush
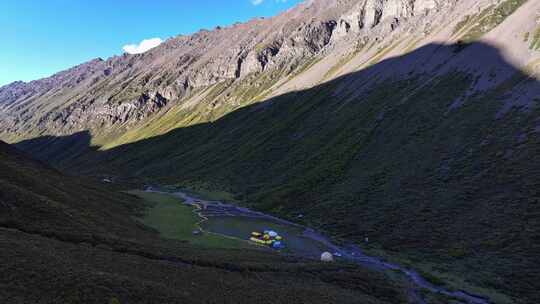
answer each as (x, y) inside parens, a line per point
(191, 79)
(412, 123)
(67, 241)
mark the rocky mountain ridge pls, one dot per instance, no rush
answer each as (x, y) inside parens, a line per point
(123, 91)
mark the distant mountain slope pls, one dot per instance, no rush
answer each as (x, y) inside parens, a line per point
(199, 78)
(66, 241)
(412, 123)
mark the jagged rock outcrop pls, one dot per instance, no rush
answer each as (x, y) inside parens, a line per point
(231, 65)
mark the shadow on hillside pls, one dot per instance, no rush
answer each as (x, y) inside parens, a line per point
(345, 92)
(57, 149)
(415, 162)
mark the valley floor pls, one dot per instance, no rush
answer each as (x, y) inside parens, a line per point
(227, 225)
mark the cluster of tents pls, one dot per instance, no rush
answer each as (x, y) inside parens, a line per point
(268, 238)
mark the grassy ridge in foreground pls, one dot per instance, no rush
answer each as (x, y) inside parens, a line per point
(67, 240)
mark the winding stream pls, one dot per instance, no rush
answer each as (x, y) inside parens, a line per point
(238, 222)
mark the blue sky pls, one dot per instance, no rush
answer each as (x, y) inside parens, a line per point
(41, 37)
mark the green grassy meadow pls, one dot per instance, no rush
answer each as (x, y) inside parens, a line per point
(173, 220)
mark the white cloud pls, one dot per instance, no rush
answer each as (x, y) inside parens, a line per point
(144, 46)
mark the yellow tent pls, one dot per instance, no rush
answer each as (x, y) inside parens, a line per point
(258, 241)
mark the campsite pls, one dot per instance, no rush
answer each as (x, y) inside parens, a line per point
(228, 226)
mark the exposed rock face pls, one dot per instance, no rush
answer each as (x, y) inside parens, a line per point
(122, 89)
(370, 13)
(245, 60)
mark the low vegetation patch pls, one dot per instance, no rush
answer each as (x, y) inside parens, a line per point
(463, 23)
(526, 36)
(341, 63)
(207, 191)
(535, 43)
(383, 52)
(173, 220)
(489, 19)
